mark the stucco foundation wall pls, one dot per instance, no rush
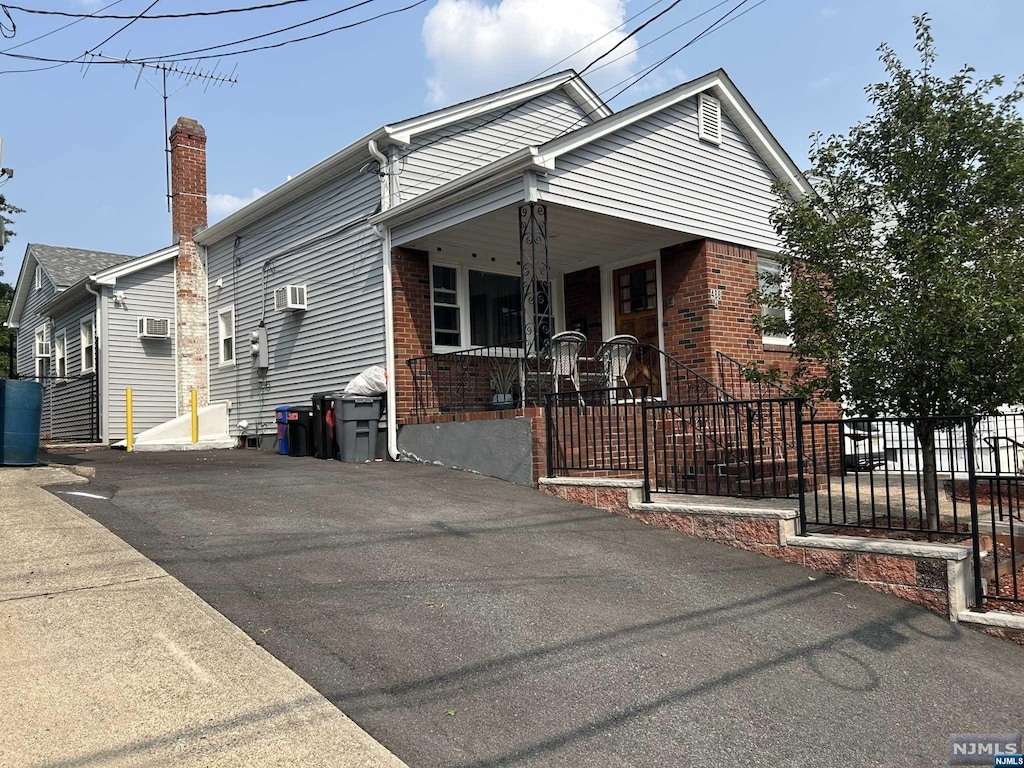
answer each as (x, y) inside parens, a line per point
(501, 448)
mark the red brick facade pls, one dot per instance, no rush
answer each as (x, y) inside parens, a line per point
(410, 291)
(188, 214)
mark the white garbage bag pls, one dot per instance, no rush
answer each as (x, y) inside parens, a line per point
(371, 382)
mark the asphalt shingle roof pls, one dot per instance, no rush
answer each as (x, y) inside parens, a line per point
(66, 266)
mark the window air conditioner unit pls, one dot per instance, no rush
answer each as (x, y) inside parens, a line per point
(154, 328)
(290, 298)
(42, 349)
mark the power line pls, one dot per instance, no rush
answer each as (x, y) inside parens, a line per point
(662, 36)
(61, 28)
(632, 34)
(514, 107)
(123, 28)
(637, 77)
(177, 56)
(99, 15)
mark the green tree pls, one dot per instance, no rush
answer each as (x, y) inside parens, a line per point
(6, 211)
(904, 276)
(6, 334)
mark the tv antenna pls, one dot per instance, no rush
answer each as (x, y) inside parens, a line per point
(188, 76)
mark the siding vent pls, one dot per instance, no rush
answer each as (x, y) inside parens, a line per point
(154, 328)
(709, 118)
(290, 298)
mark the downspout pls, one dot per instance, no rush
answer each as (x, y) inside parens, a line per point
(101, 354)
(384, 233)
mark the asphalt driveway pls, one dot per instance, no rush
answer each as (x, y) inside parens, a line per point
(464, 621)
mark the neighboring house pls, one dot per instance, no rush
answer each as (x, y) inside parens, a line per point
(89, 325)
(493, 224)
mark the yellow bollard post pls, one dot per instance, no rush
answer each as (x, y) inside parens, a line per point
(195, 418)
(128, 416)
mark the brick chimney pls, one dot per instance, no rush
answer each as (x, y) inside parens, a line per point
(188, 216)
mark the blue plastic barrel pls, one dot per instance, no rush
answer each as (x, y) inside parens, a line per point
(281, 419)
(21, 408)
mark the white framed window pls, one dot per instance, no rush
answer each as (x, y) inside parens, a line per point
(226, 336)
(475, 307)
(39, 277)
(766, 268)
(60, 354)
(87, 331)
(42, 353)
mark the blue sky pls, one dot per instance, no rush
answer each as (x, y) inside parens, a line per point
(87, 148)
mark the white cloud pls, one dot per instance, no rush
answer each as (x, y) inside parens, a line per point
(476, 47)
(222, 204)
(828, 12)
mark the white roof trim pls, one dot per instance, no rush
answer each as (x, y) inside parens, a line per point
(109, 276)
(733, 104)
(543, 158)
(579, 91)
(21, 289)
(472, 183)
(401, 134)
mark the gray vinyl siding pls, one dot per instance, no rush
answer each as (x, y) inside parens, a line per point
(145, 365)
(455, 151)
(69, 321)
(657, 171)
(341, 333)
(30, 321)
(508, 193)
(69, 407)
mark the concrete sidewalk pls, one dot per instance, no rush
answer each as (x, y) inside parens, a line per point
(109, 661)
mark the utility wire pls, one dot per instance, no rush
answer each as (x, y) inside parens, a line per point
(123, 28)
(631, 35)
(65, 26)
(637, 77)
(100, 15)
(514, 107)
(176, 56)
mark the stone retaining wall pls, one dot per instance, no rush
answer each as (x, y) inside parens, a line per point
(934, 576)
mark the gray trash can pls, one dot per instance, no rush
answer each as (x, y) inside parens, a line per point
(356, 424)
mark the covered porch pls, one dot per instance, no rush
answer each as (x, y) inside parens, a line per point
(504, 310)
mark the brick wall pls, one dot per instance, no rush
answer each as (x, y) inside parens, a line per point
(410, 290)
(188, 214)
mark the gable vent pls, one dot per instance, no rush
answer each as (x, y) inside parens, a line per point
(709, 118)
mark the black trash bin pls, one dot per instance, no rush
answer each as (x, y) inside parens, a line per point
(325, 444)
(300, 430)
(357, 419)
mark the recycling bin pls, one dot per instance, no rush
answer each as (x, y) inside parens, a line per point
(357, 420)
(281, 419)
(21, 405)
(300, 430)
(325, 444)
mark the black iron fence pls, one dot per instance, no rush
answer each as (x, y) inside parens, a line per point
(70, 411)
(726, 448)
(497, 378)
(597, 431)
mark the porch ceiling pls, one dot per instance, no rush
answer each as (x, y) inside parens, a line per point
(576, 238)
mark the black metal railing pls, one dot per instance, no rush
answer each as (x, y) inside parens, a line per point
(597, 430)
(497, 378)
(70, 412)
(726, 448)
(735, 381)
